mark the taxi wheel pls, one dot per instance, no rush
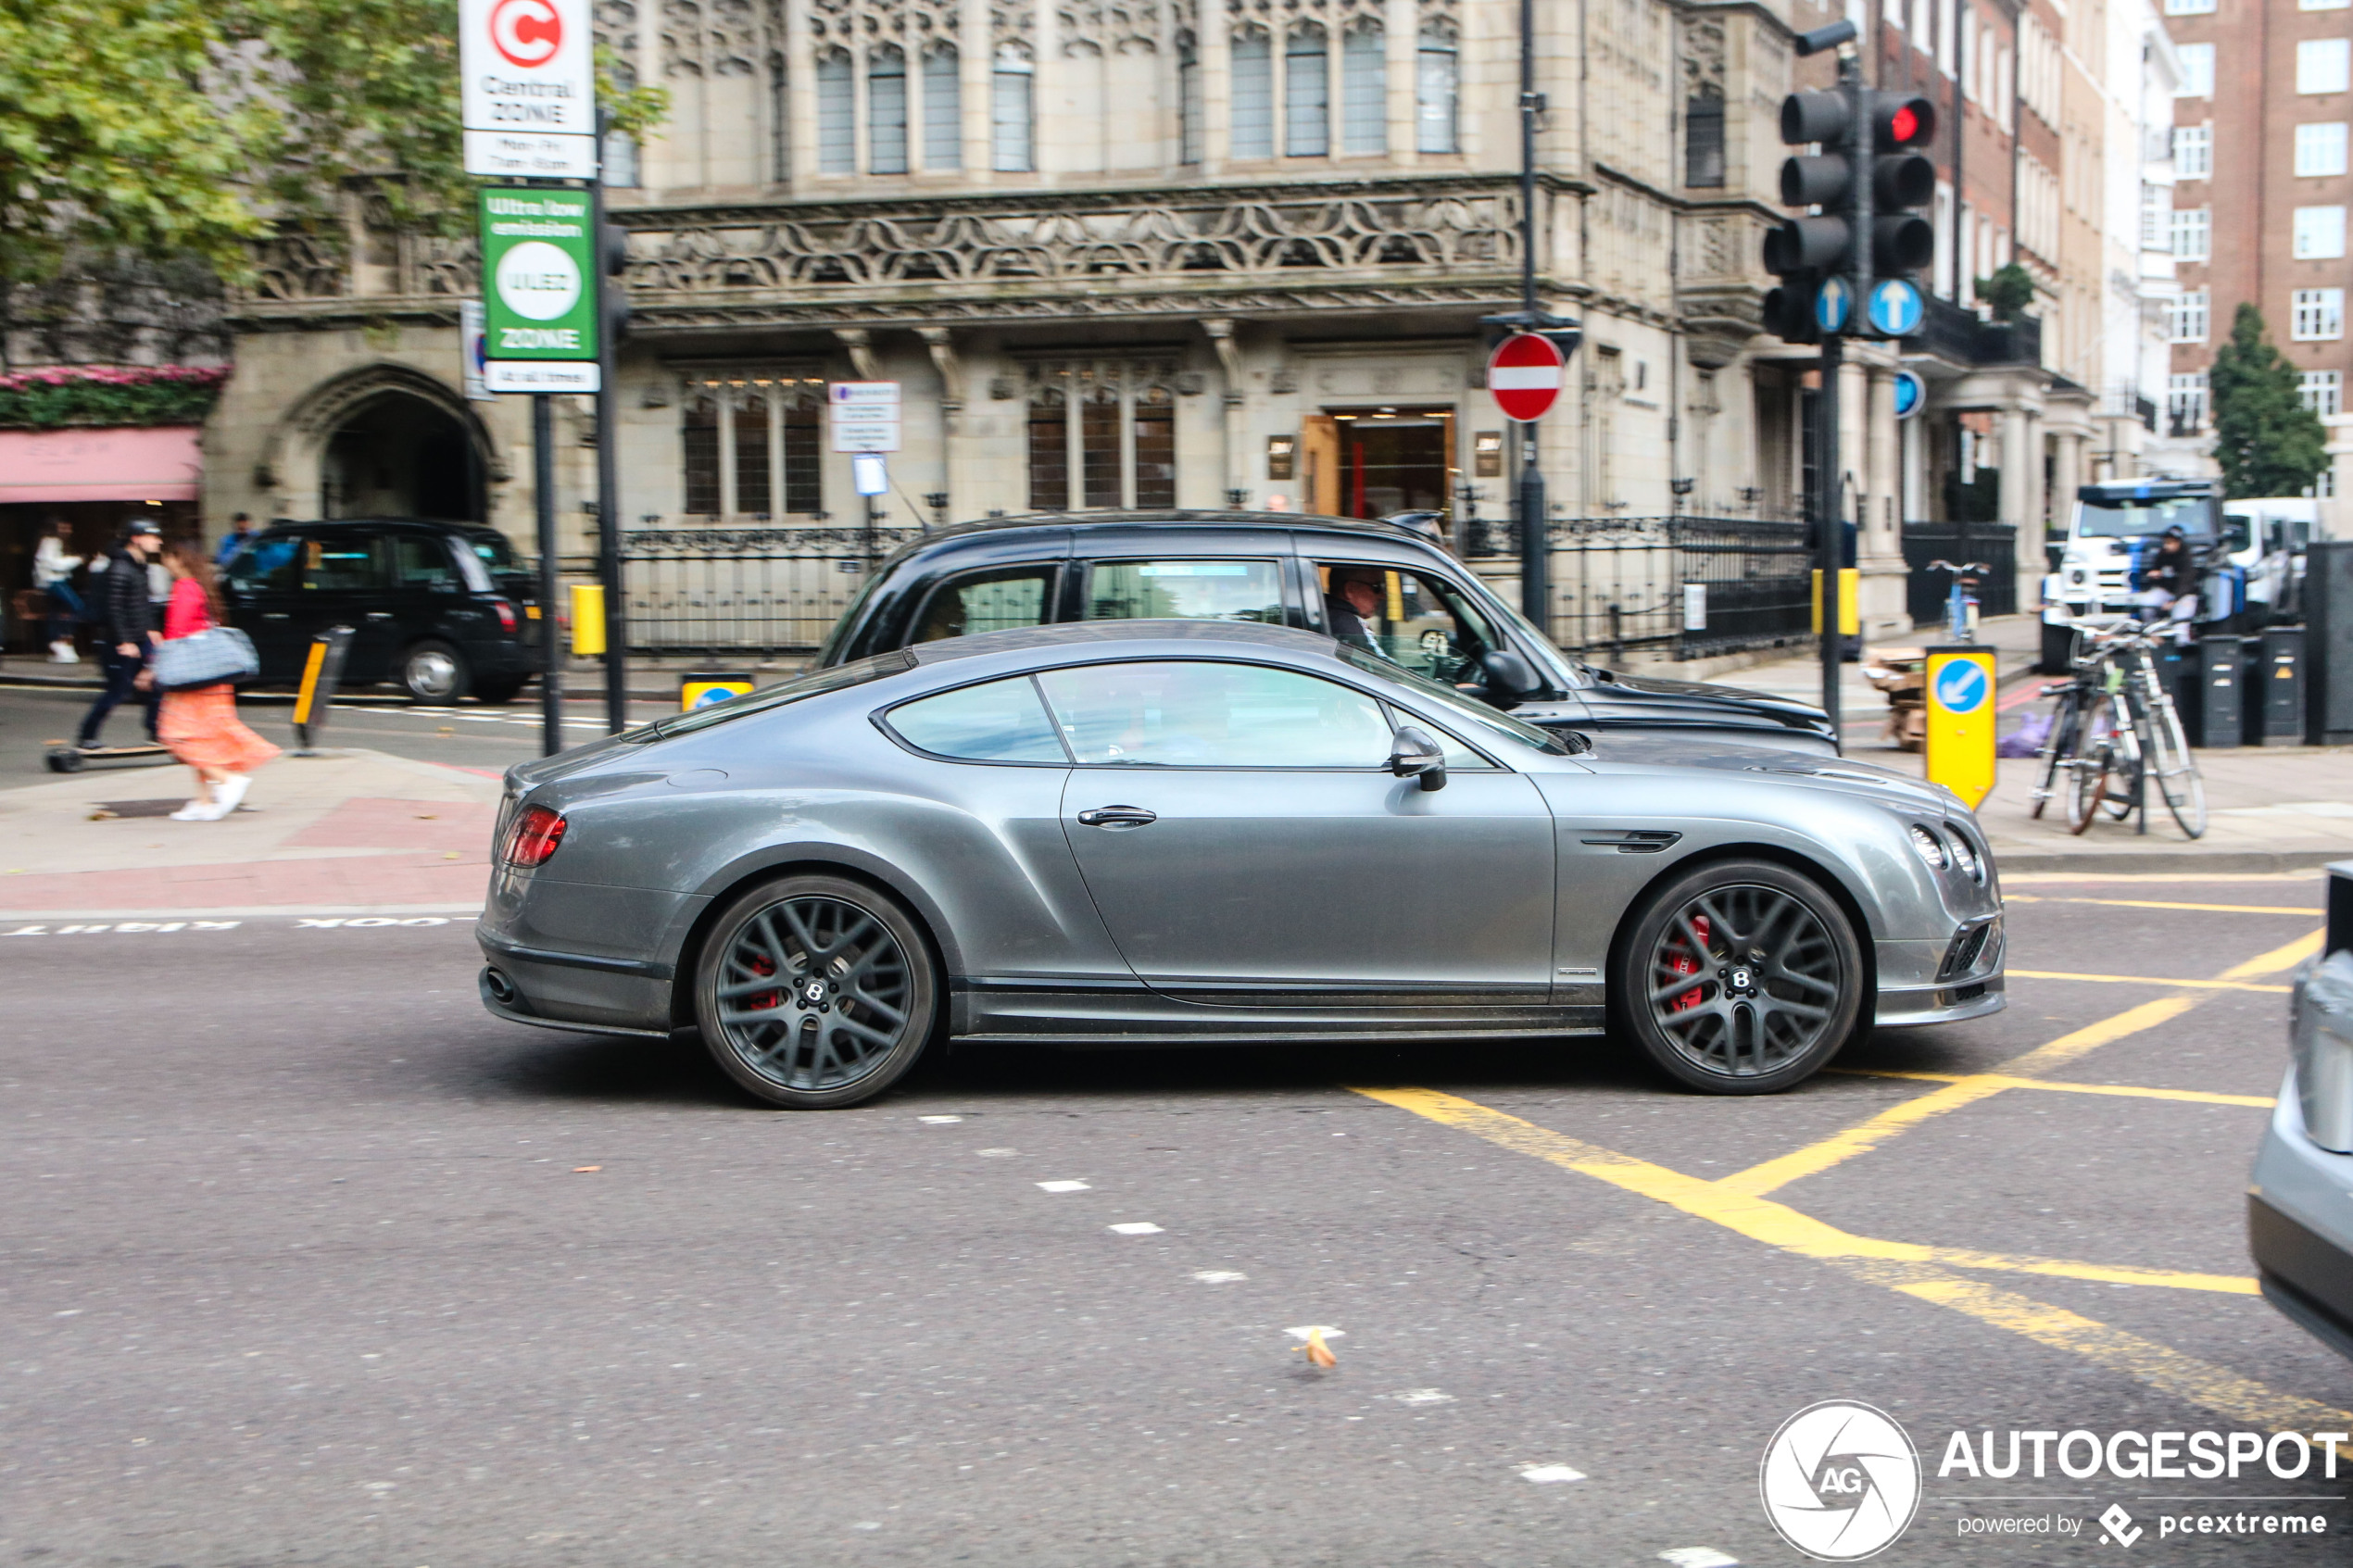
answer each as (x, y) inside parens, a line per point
(433, 672)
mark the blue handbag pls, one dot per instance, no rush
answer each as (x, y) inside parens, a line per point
(204, 658)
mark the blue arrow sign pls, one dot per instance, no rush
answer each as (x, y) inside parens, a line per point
(1832, 304)
(1960, 686)
(1894, 307)
(1911, 392)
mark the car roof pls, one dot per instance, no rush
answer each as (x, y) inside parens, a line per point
(440, 524)
(1173, 517)
(1244, 633)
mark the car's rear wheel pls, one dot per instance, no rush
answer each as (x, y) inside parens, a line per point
(1742, 977)
(815, 992)
(433, 672)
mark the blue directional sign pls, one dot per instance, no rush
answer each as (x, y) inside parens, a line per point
(1911, 393)
(1894, 307)
(1961, 685)
(1832, 304)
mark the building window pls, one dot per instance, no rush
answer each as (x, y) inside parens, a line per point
(2189, 7)
(617, 165)
(2319, 234)
(1009, 112)
(1104, 429)
(2192, 233)
(1253, 69)
(2198, 70)
(1364, 90)
(1436, 85)
(734, 437)
(2323, 391)
(1189, 101)
(2316, 315)
(2319, 150)
(2185, 316)
(886, 111)
(2322, 5)
(2185, 403)
(1307, 95)
(943, 108)
(2193, 151)
(1704, 141)
(837, 116)
(2323, 65)
(699, 452)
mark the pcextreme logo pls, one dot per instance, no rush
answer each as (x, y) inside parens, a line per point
(1841, 1481)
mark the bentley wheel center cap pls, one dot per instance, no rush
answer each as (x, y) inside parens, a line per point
(812, 994)
(1740, 980)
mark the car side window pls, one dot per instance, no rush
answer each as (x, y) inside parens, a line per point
(424, 561)
(1186, 590)
(1203, 714)
(987, 601)
(1411, 619)
(266, 565)
(346, 562)
(997, 722)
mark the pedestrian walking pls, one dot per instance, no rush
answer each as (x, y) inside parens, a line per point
(53, 574)
(123, 619)
(240, 530)
(200, 724)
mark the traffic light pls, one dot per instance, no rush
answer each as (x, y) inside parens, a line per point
(1812, 255)
(612, 257)
(1902, 179)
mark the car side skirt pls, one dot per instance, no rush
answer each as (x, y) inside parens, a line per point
(1117, 1013)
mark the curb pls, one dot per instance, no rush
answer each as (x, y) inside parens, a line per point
(2157, 862)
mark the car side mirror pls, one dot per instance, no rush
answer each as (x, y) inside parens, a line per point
(1413, 755)
(1508, 674)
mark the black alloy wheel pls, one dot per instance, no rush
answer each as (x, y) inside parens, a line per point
(815, 992)
(1742, 977)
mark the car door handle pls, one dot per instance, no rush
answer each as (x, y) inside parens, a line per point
(1117, 817)
(380, 615)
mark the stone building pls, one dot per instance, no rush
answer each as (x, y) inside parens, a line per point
(1116, 253)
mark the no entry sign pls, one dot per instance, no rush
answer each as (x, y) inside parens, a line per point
(1525, 374)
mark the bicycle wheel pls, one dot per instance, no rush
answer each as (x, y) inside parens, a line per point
(2087, 784)
(2176, 770)
(2060, 745)
(2126, 767)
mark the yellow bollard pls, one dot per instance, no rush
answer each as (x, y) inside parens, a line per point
(1850, 614)
(1961, 720)
(587, 619)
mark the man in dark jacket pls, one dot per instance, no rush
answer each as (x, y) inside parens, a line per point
(124, 626)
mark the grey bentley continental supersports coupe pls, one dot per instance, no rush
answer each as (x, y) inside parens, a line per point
(1178, 832)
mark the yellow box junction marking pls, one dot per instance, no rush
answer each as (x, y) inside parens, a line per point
(2304, 909)
(2139, 980)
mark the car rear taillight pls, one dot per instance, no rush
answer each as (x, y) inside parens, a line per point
(533, 838)
(507, 622)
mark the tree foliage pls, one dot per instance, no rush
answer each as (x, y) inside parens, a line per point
(2267, 440)
(2009, 291)
(186, 127)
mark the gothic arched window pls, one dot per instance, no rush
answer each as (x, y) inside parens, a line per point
(1364, 90)
(1307, 93)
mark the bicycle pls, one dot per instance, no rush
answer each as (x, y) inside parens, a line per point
(1961, 605)
(2116, 727)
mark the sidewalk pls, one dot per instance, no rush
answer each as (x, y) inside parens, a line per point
(2269, 809)
(352, 831)
(651, 678)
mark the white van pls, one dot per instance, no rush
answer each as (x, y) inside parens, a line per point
(2106, 531)
(2267, 537)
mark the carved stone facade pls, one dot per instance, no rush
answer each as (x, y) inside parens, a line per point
(1083, 193)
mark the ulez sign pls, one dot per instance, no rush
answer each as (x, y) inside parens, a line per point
(538, 249)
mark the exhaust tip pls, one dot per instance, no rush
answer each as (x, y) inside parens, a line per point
(498, 987)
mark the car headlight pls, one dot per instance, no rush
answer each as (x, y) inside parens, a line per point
(1965, 856)
(1931, 847)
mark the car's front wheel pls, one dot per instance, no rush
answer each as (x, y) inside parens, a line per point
(1741, 977)
(815, 992)
(433, 672)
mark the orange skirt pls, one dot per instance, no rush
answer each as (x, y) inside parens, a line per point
(202, 729)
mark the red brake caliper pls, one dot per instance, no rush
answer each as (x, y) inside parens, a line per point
(763, 966)
(1689, 964)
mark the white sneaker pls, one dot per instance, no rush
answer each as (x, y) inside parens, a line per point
(230, 791)
(62, 653)
(195, 811)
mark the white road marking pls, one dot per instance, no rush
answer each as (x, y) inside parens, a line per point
(1063, 1186)
(1137, 1228)
(998, 1153)
(1219, 1276)
(1544, 1473)
(939, 1121)
(1698, 1557)
(1327, 1330)
(1420, 1397)
(129, 927)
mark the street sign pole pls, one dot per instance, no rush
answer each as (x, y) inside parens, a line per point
(1535, 555)
(542, 485)
(609, 487)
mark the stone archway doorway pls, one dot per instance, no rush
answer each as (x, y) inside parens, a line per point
(399, 455)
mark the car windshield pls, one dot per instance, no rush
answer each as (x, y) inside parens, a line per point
(2124, 518)
(493, 551)
(800, 689)
(1465, 708)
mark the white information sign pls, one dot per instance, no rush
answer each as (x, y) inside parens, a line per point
(529, 84)
(1694, 607)
(525, 154)
(864, 415)
(469, 349)
(541, 375)
(870, 474)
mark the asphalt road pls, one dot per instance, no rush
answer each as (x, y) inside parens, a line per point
(309, 1261)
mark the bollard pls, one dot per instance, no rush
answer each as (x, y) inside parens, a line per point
(703, 687)
(1961, 720)
(587, 620)
(321, 673)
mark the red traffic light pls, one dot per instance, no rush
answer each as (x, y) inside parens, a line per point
(1900, 121)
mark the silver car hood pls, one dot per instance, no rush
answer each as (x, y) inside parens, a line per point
(1841, 775)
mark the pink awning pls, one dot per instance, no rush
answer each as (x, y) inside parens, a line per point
(158, 463)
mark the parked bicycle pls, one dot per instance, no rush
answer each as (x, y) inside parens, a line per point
(1961, 602)
(2116, 729)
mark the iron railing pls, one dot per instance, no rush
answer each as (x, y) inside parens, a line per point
(1993, 543)
(745, 592)
(1619, 583)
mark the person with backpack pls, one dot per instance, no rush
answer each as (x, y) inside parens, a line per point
(123, 628)
(200, 724)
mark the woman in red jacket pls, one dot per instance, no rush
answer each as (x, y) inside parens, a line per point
(201, 725)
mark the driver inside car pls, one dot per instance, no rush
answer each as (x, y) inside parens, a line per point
(1352, 606)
